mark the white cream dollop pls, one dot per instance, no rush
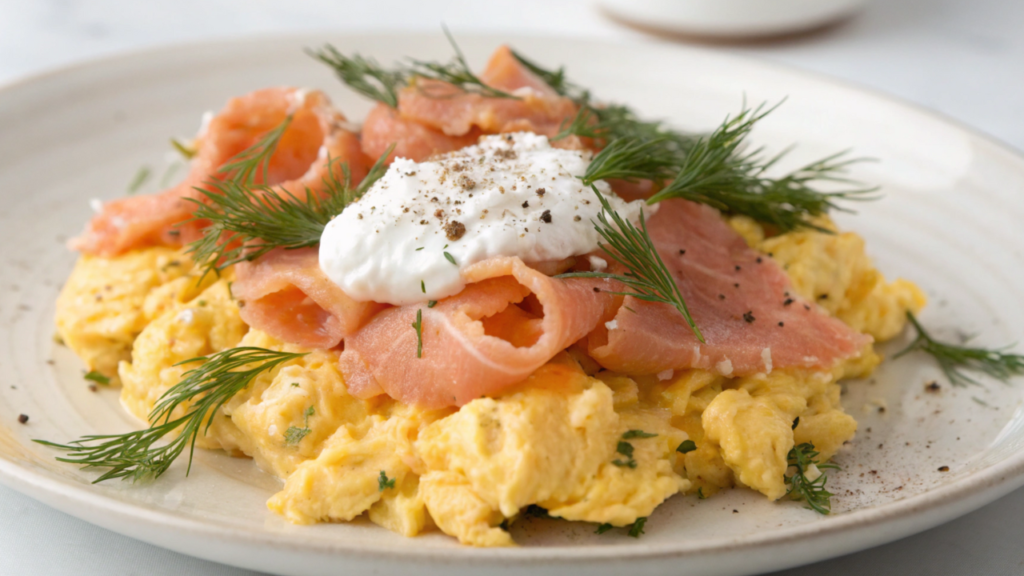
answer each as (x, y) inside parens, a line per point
(509, 195)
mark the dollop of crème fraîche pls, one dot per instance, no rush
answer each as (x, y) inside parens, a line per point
(408, 238)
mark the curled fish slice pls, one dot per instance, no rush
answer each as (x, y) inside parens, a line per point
(315, 136)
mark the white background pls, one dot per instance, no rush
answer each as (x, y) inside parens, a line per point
(964, 58)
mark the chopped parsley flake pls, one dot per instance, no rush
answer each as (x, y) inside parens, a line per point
(293, 435)
(97, 377)
(638, 527)
(686, 447)
(383, 483)
(631, 434)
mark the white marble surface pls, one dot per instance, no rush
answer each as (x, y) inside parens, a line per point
(963, 58)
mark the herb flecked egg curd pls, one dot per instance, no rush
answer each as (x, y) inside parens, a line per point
(494, 299)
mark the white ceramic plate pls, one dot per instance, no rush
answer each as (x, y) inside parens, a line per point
(949, 221)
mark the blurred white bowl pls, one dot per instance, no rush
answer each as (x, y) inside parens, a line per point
(731, 18)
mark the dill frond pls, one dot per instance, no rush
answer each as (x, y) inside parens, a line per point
(718, 173)
(204, 389)
(456, 72)
(254, 161)
(247, 221)
(631, 159)
(556, 79)
(953, 359)
(812, 492)
(646, 274)
(367, 77)
(364, 75)
(616, 122)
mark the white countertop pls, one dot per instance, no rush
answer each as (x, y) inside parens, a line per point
(963, 58)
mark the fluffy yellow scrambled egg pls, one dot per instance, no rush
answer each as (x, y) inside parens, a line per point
(583, 443)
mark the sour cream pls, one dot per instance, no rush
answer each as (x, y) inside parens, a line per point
(410, 236)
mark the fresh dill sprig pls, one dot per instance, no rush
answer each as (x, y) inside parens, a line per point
(713, 169)
(617, 122)
(201, 391)
(646, 274)
(718, 173)
(367, 77)
(364, 75)
(953, 359)
(254, 161)
(812, 492)
(456, 72)
(556, 79)
(246, 221)
(631, 159)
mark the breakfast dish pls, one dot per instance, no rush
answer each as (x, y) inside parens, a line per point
(495, 298)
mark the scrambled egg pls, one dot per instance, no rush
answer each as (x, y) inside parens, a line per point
(106, 302)
(835, 271)
(583, 443)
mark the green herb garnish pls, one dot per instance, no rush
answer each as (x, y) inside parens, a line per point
(383, 483)
(631, 434)
(201, 392)
(646, 274)
(638, 527)
(626, 449)
(367, 77)
(139, 179)
(187, 151)
(293, 435)
(953, 359)
(812, 492)
(97, 377)
(249, 220)
(364, 75)
(603, 528)
(418, 326)
(686, 447)
(718, 173)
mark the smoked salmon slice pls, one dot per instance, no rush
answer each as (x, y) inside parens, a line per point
(752, 321)
(509, 321)
(286, 295)
(315, 142)
(384, 127)
(448, 109)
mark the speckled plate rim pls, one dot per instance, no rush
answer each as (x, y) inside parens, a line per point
(260, 550)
